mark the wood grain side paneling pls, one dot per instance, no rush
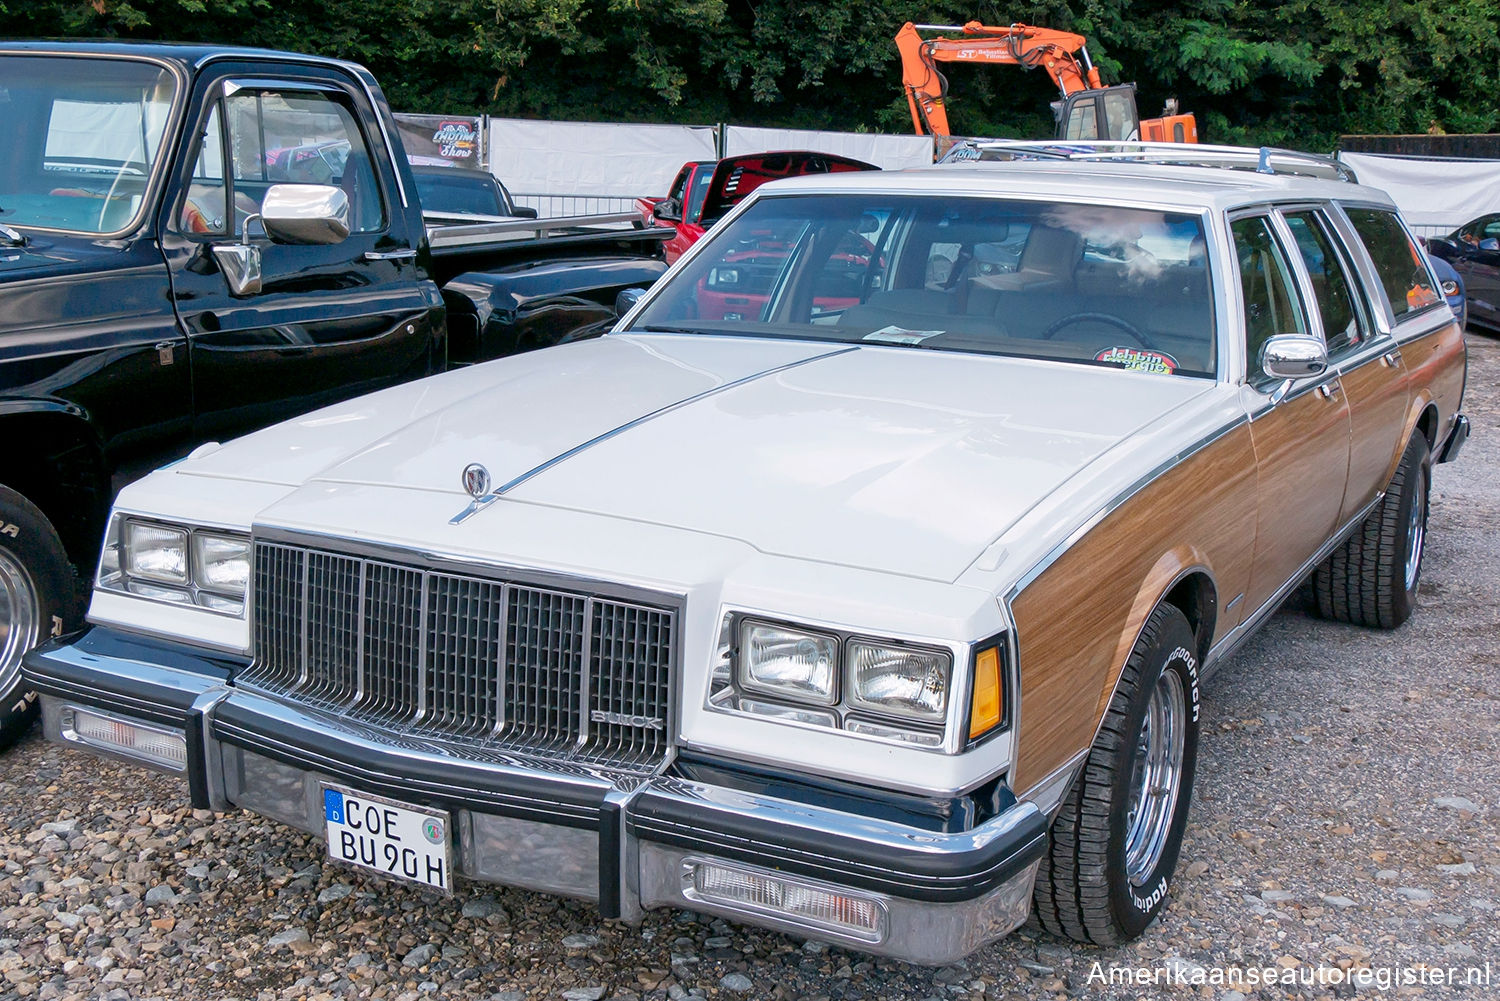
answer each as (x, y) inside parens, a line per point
(1302, 451)
(1078, 619)
(1378, 406)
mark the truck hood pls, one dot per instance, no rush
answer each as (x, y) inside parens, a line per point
(884, 458)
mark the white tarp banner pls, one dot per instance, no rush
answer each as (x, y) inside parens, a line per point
(1435, 195)
(885, 152)
(593, 158)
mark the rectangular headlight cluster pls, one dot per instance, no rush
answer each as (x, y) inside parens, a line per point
(880, 688)
(178, 564)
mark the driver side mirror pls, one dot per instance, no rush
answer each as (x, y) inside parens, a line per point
(308, 214)
(316, 214)
(668, 211)
(1293, 356)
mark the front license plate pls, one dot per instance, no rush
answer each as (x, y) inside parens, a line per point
(396, 839)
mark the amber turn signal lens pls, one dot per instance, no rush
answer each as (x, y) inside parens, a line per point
(984, 713)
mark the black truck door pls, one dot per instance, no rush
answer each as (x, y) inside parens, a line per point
(328, 321)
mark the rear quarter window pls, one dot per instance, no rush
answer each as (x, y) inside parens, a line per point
(1407, 283)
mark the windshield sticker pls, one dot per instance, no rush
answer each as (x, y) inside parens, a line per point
(1139, 360)
(900, 335)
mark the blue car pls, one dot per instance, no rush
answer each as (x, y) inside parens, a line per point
(1453, 289)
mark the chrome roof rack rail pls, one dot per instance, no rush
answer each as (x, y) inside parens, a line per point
(1265, 160)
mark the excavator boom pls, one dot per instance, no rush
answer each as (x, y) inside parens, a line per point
(1063, 54)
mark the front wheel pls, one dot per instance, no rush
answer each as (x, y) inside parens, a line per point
(1116, 839)
(37, 600)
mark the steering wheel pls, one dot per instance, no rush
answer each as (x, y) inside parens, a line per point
(1108, 319)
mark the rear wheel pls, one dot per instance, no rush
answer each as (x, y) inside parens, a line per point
(38, 599)
(1116, 839)
(1372, 579)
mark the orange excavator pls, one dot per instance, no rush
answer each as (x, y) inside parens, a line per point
(1088, 109)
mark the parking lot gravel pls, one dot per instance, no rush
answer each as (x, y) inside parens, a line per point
(1347, 816)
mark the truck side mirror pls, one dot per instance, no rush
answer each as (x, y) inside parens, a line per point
(523, 212)
(668, 211)
(316, 214)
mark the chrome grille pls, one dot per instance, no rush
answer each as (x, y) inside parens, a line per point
(498, 664)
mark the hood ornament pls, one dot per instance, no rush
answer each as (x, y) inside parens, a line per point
(478, 485)
(476, 480)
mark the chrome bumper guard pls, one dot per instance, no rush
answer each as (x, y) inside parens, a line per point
(625, 842)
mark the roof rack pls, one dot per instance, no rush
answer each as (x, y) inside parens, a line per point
(1265, 160)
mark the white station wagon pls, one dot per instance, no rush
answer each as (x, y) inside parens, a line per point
(860, 583)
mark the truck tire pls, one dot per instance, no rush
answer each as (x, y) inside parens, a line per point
(38, 598)
(1372, 579)
(1116, 839)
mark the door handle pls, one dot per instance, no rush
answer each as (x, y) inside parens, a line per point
(1391, 359)
(390, 255)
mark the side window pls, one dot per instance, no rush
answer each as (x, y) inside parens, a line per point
(205, 205)
(1398, 262)
(1120, 114)
(1343, 326)
(1083, 118)
(701, 180)
(300, 137)
(1271, 303)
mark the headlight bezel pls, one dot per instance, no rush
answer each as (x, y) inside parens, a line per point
(945, 733)
(115, 575)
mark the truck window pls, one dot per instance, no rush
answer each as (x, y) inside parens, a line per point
(82, 140)
(205, 204)
(1403, 273)
(301, 137)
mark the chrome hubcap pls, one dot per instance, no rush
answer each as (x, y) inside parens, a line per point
(1156, 781)
(1416, 531)
(20, 625)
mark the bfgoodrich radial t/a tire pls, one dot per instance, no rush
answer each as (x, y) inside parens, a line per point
(1371, 580)
(1116, 839)
(38, 598)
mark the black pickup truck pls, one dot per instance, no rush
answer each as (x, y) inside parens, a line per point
(197, 241)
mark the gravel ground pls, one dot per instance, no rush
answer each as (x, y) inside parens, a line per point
(1347, 814)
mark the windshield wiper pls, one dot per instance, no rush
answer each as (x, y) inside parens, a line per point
(666, 328)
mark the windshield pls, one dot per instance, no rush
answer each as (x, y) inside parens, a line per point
(1091, 284)
(81, 138)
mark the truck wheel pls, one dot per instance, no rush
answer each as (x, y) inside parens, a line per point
(38, 598)
(1371, 580)
(1115, 841)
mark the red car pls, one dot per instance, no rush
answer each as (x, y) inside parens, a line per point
(705, 190)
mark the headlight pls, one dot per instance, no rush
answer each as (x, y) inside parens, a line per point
(176, 563)
(221, 563)
(788, 662)
(896, 681)
(156, 553)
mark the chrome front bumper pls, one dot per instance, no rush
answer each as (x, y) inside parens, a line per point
(798, 865)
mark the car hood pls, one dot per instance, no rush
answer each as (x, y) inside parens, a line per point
(885, 458)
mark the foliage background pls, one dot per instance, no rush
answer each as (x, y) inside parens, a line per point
(1289, 72)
